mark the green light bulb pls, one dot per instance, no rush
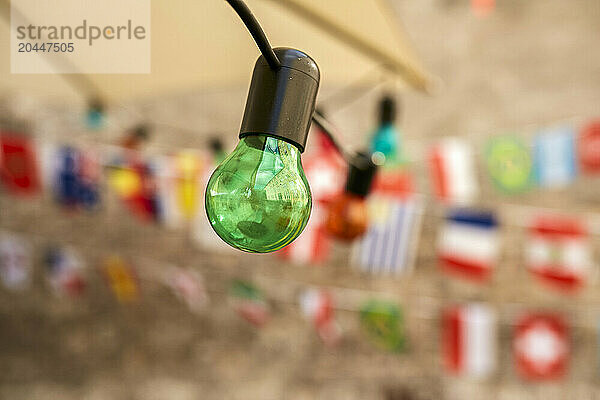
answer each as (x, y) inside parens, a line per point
(258, 199)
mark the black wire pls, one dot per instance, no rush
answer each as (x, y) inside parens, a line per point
(329, 131)
(256, 31)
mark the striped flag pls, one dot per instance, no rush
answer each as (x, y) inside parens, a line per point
(468, 244)
(389, 245)
(554, 157)
(559, 252)
(469, 340)
(453, 171)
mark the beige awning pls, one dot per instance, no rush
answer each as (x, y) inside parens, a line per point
(200, 44)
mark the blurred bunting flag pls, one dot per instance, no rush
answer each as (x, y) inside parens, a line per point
(541, 347)
(77, 178)
(180, 187)
(509, 164)
(554, 157)
(389, 245)
(483, 8)
(135, 182)
(468, 244)
(64, 271)
(122, 279)
(325, 172)
(559, 252)
(317, 306)
(453, 171)
(188, 173)
(589, 148)
(382, 321)
(249, 302)
(18, 164)
(469, 340)
(202, 232)
(188, 286)
(15, 261)
(313, 244)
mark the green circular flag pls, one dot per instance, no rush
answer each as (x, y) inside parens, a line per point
(509, 164)
(382, 322)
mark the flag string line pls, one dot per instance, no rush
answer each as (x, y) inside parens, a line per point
(106, 151)
(156, 272)
(475, 139)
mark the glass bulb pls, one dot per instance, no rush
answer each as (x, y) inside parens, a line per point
(347, 217)
(258, 199)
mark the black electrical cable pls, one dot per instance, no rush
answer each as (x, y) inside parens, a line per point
(256, 31)
(329, 131)
(267, 51)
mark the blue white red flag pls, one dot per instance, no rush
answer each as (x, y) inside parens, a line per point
(468, 244)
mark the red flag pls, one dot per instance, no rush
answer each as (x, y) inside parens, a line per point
(18, 166)
(559, 252)
(589, 148)
(541, 347)
(483, 8)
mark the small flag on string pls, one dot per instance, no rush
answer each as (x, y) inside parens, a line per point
(468, 244)
(64, 271)
(589, 148)
(18, 164)
(453, 171)
(541, 347)
(313, 244)
(201, 230)
(188, 172)
(469, 340)
(397, 182)
(15, 261)
(559, 252)
(509, 164)
(249, 302)
(326, 175)
(388, 247)
(554, 157)
(77, 178)
(383, 323)
(135, 181)
(317, 306)
(180, 187)
(188, 286)
(325, 171)
(121, 279)
(483, 8)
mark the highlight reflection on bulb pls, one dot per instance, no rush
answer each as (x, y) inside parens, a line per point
(258, 199)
